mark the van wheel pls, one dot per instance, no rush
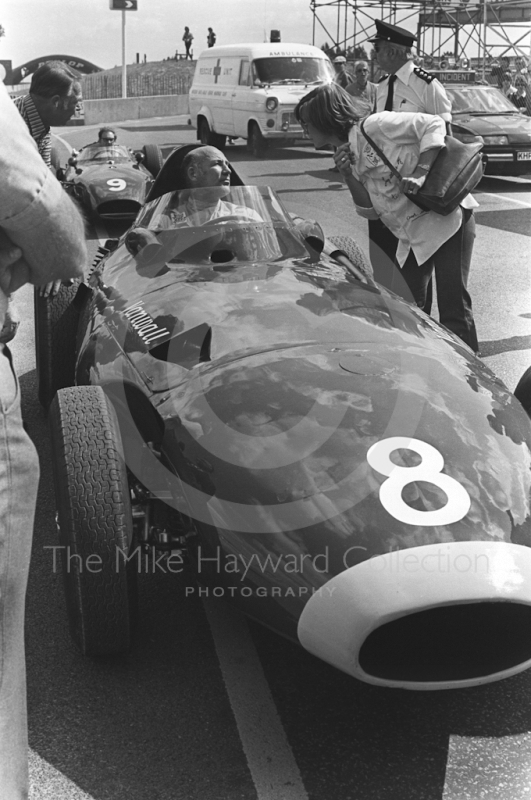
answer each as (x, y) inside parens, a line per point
(207, 136)
(523, 390)
(256, 142)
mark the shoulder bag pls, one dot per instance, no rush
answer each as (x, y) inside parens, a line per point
(457, 170)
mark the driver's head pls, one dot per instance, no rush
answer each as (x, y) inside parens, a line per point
(106, 136)
(206, 166)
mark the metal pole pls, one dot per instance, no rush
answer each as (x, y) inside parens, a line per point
(484, 37)
(124, 71)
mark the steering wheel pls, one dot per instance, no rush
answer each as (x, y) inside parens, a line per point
(222, 220)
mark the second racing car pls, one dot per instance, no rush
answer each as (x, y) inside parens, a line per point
(111, 181)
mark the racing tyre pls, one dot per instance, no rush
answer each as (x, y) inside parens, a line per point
(354, 253)
(94, 519)
(256, 142)
(152, 158)
(523, 390)
(207, 136)
(56, 321)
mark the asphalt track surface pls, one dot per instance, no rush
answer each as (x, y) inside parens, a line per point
(209, 706)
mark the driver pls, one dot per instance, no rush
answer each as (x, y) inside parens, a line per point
(207, 174)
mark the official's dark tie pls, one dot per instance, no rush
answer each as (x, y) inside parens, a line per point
(390, 87)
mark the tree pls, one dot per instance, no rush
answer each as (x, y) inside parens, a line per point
(2, 31)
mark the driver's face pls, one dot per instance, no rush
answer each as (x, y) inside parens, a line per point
(214, 170)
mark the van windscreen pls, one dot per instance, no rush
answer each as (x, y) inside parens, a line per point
(292, 70)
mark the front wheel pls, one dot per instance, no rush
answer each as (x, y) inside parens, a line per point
(207, 136)
(56, 321)
(523, 390)
(256, 142)
(95, 520)
(354, 253)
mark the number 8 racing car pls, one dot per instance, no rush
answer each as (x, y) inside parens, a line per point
(324, 455)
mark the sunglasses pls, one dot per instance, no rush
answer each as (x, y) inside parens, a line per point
(107, 140)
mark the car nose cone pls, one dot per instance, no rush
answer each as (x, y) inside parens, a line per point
(439, 616)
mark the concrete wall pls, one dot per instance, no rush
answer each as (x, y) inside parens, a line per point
(117, 109)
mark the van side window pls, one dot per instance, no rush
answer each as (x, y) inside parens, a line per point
(244, 74)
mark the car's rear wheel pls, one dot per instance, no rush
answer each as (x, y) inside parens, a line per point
(56, 320)
(353, 252)
(95, 520)
(207, 136)
(153, 158)
(256, 142)
(523, 390)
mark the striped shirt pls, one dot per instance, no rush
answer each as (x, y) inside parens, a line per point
(38, 130)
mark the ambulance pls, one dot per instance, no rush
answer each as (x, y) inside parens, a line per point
(251, 90)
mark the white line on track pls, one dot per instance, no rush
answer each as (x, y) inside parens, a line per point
(269, 756)
(64, 142)
(504, 197)
(48, 783)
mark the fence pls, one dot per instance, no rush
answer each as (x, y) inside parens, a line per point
(100, 87)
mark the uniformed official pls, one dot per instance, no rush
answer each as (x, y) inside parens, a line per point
(406, 87)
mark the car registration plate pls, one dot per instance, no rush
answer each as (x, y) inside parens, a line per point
(525, 156)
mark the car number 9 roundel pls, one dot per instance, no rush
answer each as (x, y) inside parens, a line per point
(116, 184)
(429, 470)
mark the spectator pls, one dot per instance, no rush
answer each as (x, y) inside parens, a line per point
(521, 97)
(362, 90)
(342, 77)
(499, 69)
(188, 38)
(42, 239)
(507, 85)
(411, 141)
(54, 94)
(521, 68)
(211, 38)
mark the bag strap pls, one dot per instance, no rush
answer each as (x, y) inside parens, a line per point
(379, 152)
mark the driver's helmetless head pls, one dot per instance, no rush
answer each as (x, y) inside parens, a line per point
(206, 166)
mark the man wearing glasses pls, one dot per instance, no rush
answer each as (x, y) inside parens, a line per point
(362, 90)
(106, 137)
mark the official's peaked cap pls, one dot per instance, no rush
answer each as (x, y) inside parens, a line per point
(392, 33)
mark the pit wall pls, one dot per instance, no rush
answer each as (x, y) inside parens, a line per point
(118, 109)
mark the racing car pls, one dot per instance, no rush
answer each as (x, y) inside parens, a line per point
(110, 181)
(246, 402)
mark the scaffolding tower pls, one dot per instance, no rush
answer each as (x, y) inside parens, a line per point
(464, 27)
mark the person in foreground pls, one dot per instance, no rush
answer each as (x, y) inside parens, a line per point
(411, 142)
(41, 239)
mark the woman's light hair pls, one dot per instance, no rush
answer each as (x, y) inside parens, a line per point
(329, 108)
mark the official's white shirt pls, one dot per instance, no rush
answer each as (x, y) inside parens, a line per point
(402, 137)
(415, 90)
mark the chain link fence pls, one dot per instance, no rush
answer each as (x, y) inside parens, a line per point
(102, 87)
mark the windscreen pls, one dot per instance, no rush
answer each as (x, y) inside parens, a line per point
(479, 100)
(97, 152)
(219, 225)
(292, 70)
